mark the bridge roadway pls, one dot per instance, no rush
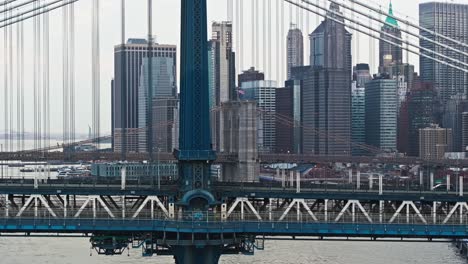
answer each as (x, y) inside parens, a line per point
(139, 214)
(30, 156)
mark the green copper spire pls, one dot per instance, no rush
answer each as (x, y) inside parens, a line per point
(390, 20)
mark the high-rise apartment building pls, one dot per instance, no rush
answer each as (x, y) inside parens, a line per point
(264, 93)
(434, 142)
(222, 76)
(450, 20)
(128, 67)
(295, 49)
(381, 113)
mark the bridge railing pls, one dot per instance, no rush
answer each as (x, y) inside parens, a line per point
(388, 218)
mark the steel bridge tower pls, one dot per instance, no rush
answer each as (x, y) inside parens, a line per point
(195, 152)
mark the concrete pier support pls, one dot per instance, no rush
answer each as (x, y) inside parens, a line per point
(195, 254)
(350, 175)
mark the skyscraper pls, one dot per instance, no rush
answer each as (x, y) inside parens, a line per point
(450, 20)
(125, 98)
(452, 118)
(420, 113)
(326, 93)
(288, 126)
(295, 48)
(163, 102)
(388, 53)
(330, 44)
(361, 75)
(224, 62)
(222, 74)
(381, 113)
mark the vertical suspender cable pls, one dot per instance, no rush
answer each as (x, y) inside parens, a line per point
(46, 82)
(18, 85)
(241, 35)
(22, 85)
(257, 33)
(307, 42)
(253, 28)
(39, 83)
(35, 51)
(65, 87)
(283, 51)
(371, 47)
(150, 124)
(72, 71)
(278, 45)
(123, 86)
(5, 83)
(10, 85)
(264, 45)
(96, 72)
(270, 77)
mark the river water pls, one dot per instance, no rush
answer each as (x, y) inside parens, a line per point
(16, 250)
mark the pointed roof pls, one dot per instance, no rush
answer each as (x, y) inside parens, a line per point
(390, 18)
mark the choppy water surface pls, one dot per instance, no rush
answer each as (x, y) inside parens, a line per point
(76, 251)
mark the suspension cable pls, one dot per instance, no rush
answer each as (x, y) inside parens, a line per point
(401, 29)
(377, 37)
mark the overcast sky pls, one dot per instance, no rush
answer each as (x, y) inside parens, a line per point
(166, 28)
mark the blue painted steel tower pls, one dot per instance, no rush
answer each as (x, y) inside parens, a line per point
(195, 154)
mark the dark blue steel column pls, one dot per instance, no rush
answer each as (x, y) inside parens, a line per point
(195, 153)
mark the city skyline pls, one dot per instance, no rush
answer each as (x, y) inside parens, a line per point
(110, 36)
